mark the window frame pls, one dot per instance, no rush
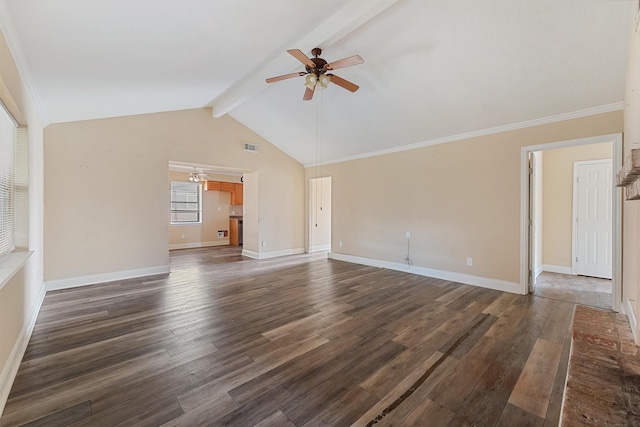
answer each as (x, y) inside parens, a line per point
(8, 219)
(172, 192)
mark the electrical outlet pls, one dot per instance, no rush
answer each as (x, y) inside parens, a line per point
(340, 244)
(264, 243)
(469, 261)
(408, 235)
(183, 236)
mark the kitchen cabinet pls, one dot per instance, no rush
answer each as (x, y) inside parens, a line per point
(237, 195)
(213, 185)
(227, 186)
(233, 232)
(236, 190)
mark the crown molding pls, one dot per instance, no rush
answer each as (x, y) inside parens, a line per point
(13, 42)
(498, 129)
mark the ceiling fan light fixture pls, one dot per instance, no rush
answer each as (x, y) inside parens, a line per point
(194, 176)
(311, 80)
(324, 80)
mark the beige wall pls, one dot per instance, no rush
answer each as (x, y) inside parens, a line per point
(320, 213)
(20, 297)
(631, 223)
(558, 198)
(458, 200)
(215, 216)
(106, 192)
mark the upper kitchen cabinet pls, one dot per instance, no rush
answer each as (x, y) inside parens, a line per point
(236, 190)
(228, 186)
(237, 195)
(213, 185)
(220, 186)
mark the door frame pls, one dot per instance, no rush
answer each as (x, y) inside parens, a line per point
(574, 229)
(616, 155)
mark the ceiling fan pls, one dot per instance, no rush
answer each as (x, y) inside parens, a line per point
(316, 70)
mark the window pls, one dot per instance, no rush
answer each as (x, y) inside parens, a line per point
(7, 183)
(185, 202)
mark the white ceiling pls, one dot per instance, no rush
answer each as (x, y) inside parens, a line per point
(433, 69)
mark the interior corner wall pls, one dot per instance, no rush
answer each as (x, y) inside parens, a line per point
(458, 200)
(631, 210)
(558, 199)
(319, 214)
(106, 192)
(215, 217)
(21, 297)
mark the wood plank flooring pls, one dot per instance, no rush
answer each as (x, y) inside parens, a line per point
(293, 341)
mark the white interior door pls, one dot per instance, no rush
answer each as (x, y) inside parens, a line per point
(594, 185)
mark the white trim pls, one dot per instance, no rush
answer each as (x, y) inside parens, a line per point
(250, 254)
(11, 264)
(74, 282)
(320, 248)
(617, 229)
(13, 42)
(627, 308)
(616, 139)
(10, 369)
(539, 270)
(560, 269)
(498, 129)
(274, 254)
(574, 229)
(198, 245)
(483, 282)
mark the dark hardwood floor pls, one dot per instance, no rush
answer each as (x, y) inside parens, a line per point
(293, 341)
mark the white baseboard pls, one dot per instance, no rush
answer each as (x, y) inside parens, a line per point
(556, 269)
(73, 282)
(10, 369)
(198, 244)
(539, 270)
(250, 254)
(627, 308)
(274, 254)
(320, 248)
(484, 282)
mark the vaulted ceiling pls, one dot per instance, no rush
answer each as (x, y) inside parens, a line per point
(433, 70)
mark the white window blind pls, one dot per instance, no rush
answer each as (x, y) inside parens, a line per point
(7, 190)
(185, 202)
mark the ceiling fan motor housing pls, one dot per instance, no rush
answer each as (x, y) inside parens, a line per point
(319, 66)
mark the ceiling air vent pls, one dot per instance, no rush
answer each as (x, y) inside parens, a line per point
(251, 147)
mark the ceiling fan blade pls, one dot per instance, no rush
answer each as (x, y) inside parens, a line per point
(296, 53)
(351, 87)
(284, 77)
(308, 94)
(345, 62)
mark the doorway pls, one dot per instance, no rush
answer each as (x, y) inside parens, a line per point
(549, 235)
(320, 214)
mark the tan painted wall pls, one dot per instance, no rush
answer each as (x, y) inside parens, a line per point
(458, 200)
(20, 296)
(320, 213)
(631, 223)
(558, 198)
(106, 188)
(215, 216)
